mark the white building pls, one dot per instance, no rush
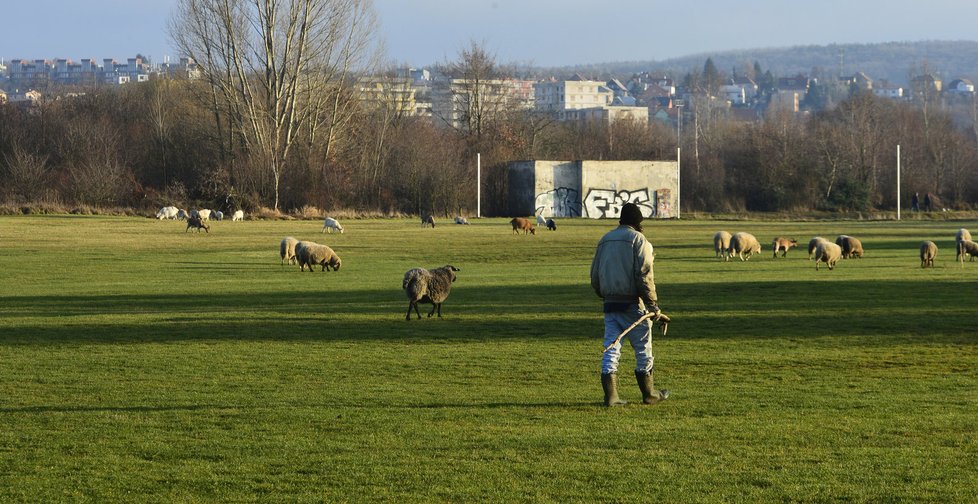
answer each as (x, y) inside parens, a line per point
(577, 93)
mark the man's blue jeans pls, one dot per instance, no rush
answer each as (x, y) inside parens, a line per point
(640, 337)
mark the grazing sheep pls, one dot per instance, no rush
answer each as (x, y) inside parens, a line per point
(204, 214)
(182, 215)
(331, 224)
(962, 235)
(968, 248)
(238, 216)
(461, 220)
(721, 242)
(741, 243)
(541, 221)
(781, 244)
(424, 286)
(524, 225)
(928, 251)
(812, 244)
(167, 212)
(218, 215)
(287, 249)
(427, 220)
(551, 225)
(851, 247)
(310, 253)
(198, 223)
(827, 252)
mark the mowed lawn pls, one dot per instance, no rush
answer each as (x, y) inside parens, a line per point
(142, 363)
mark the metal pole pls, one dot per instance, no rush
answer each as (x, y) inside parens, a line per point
(679, 179)
(478, 185)
(898, 181)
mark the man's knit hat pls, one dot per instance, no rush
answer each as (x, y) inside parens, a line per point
(631, 215)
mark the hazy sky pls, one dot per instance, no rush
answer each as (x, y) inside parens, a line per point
(541, 32)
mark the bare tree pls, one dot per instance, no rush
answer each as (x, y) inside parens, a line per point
(26, 176)
(269, 61)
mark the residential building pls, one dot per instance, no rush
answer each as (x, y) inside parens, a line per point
(42, 73)
(607, 114)
(3, 97)
(790, 92)
(454, 100)
(397, 93)
(28, 97)
(960, 86)
(885, 89)
(576, 93)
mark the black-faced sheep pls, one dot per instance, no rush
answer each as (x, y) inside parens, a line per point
(928, 251)
(330, 224)
(962, 235)
(428, 286)
(721, 242)
(461, 220)
(551, 225)
(743, 243)
(524, 225)
(198, 224)
(828, 253)
(782, 244)
(427, 220)
(851, 247)
(968, 248)
(812, 244)
(310, 254)
(182, 214)
(287, 250)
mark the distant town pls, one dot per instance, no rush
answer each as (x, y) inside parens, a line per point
(645, 96)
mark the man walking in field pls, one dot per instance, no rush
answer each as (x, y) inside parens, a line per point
(621, 274)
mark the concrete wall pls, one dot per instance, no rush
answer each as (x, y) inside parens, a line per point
(595, 189)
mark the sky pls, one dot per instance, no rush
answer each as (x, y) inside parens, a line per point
(535, 32)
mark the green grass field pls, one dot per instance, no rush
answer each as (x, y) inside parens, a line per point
(142, 363)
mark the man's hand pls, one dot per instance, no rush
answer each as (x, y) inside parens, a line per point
(653, 309)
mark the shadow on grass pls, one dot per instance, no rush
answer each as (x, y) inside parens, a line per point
(863, 311)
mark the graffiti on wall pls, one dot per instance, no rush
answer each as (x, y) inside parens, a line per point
(607, 203)
(560, 202)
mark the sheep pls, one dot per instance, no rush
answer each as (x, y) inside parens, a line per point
(218, 215)
(741, 243)
(551, 225)
(310, 253)
(167, 212)
(962, 235)
(928, 251)
(827, 252)
(781, 244)
(427, 220)
(238, 216)
(331, 224)
(968, 248)
(721, 242)
(461, 220)
(196, 222)
(204, 214)
(851, 247)
(812, 244)
(424, 286)
(182, 215)
(541, 221)
(194, 213)
(287, 249)
(523, 224)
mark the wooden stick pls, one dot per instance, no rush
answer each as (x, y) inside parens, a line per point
(660, 317)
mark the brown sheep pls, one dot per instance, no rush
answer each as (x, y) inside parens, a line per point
(851, 247)
(522, 224)
(968, 248)
(928, 251)
(198, 223)
(781, 244)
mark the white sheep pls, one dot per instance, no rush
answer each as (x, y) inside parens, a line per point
(218, 215)
(721, 242)
(204, 214)
(827, 252)
(424, 286)
(962, 235)
(812, 244)
(461, 220)
(741, 243)
(238, 216)
(541, 221)
(167, 212)
(310, 254)
(287, 249)
(928, 251)
(331, 224)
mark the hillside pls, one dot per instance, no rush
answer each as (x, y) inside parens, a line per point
(892, 61)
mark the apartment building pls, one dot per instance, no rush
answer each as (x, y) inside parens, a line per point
(576, 93)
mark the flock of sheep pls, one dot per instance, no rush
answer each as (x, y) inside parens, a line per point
(745, 245)
(196, 219)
